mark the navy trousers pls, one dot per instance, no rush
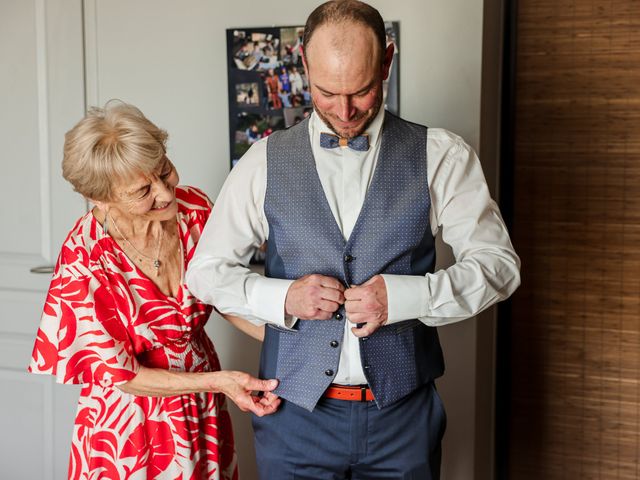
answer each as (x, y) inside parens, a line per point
(344, 439)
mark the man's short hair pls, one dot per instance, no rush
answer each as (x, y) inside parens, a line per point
(338, 11)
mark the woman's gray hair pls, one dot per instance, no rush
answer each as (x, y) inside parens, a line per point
(111, 144)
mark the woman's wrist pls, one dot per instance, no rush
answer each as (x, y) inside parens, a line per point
(215, 381)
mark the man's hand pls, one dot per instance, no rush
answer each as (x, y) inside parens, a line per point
(367, 304)
(314, 297)
(237, 386)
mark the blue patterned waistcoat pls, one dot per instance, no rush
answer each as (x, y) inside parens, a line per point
(392, 235)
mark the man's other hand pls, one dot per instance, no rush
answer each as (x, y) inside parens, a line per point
(367, 305)
(314, 297)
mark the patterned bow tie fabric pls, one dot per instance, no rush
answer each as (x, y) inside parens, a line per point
(359, 143)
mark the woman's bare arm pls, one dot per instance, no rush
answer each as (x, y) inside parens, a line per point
(237, 386)
(246, 326)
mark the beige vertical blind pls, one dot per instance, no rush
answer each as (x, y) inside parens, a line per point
(575, 345)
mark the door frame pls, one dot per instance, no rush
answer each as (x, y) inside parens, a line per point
(507, 168)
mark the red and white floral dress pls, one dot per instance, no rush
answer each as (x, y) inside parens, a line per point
(102, 319)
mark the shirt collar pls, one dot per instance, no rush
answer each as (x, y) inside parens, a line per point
(317, 126)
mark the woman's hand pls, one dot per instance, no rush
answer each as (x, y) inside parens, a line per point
(237, 386)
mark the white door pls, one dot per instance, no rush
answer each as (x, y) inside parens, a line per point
(41, 96)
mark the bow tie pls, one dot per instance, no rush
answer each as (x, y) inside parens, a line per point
(359, 143)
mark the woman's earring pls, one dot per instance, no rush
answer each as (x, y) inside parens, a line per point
(105, 224)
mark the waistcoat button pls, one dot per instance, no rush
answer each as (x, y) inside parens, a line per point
(338, 316)
(328, 373)
(334, 343)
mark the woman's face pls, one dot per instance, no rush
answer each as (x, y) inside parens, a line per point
(148, 197)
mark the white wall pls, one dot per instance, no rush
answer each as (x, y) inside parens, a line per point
(169, 58)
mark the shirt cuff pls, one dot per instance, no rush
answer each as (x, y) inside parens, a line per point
(407, 297)
(290, 321)
(266, 298)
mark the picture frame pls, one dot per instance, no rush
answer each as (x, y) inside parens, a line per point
(267, 85)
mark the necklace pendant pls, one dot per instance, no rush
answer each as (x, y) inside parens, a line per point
(156, 264)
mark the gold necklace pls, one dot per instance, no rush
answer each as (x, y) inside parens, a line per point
(156, 261)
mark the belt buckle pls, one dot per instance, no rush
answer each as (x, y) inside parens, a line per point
(363, 394)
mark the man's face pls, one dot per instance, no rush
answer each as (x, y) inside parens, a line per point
(345, 72)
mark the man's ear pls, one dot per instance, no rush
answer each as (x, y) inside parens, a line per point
(304, 61)
(387, 60)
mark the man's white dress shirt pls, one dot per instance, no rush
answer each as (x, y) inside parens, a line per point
(486, 268)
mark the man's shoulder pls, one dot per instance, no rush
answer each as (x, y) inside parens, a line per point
(443, 135)
(445, 148)
(433, 133)
(253, 159)
(390, 117)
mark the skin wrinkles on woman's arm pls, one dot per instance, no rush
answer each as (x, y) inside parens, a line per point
(155, 382)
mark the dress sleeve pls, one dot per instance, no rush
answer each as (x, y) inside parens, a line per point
(196, 204)
(196, 207)
(81, 338)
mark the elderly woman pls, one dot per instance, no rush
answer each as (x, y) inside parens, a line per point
(119, 319)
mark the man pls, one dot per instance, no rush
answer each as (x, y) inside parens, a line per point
(349, 201)
(296, 81)
(272, 83)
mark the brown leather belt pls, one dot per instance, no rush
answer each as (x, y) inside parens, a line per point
(358, 393)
